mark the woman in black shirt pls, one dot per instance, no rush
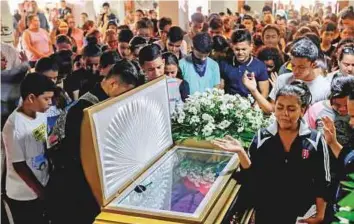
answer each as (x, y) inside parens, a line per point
(286, 168)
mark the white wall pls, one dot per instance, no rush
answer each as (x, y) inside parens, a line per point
(221, 6)
(256, 6)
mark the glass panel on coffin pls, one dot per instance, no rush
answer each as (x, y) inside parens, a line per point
(179, 183)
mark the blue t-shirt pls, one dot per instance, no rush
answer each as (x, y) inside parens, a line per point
(232, 72)
(196, 83)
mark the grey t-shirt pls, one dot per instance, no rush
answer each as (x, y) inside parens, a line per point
(320, 87)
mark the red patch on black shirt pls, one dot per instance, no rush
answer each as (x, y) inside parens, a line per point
(305, 153)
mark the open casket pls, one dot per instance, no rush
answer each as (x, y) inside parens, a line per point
(136, 173)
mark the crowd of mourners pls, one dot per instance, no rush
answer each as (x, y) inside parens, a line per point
(298, 66)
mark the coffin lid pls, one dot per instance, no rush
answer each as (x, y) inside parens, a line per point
(120, 137)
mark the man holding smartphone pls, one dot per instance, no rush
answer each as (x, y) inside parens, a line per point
(242, 62)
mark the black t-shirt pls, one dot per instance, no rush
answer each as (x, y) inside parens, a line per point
(77, 80)
(90, 83)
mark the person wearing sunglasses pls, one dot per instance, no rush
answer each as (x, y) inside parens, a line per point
(346, 60)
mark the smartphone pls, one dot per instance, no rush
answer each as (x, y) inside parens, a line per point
(249, 72)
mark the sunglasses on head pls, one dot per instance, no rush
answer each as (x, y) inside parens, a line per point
(348, 50)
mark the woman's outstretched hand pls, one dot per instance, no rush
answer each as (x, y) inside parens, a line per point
(233, 145)
(228, 144)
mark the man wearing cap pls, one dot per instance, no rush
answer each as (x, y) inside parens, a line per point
(200, 71)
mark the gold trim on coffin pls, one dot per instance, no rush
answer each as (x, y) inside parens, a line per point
(223, 194)
(214, 217)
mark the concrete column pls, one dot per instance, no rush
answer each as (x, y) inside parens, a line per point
(169, 9)
(177, 10)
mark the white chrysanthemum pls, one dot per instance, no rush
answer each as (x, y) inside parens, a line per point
(224, 124)
(229, 106)
(240, 129)
(208, 129)
(250, 98)
(207, 117)
(244, 105)
(180, 120)
(220, 91)
(193, 110)
(194, 119)
(182, 115)
(223, 109)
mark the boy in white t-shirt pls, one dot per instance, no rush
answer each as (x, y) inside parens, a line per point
(25, 136)
(304, 54)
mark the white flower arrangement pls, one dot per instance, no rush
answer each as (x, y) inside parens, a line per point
(213, 114)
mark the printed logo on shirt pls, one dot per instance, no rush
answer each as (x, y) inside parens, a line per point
(305, 153)
(40, 133)
(39, 162)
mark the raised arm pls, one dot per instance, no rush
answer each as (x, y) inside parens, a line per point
(251, 84)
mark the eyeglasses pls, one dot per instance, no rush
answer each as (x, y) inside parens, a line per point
(348, 50)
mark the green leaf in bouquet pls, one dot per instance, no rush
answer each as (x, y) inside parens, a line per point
(347, 189)
(347, 201)
(346, 215)
(349, 184)
(351, 176)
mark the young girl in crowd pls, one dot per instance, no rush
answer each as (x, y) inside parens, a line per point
(335, 108)
(336, 53)
(286, 168)
(172, 70)
(346, 60)
(273, 59)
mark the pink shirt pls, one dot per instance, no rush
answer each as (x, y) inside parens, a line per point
(40, 41)
(78, 36)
